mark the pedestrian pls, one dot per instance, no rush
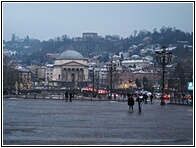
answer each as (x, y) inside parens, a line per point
(131, 102)
(73, 95)
(151, 98)
(124, 96)
(66, 95)
(70, 96)
(115, 96)
(145, 97)
(139, 100)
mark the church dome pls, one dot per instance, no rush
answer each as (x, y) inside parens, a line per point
(70, 54)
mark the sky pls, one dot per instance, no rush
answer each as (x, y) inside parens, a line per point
(44, 20)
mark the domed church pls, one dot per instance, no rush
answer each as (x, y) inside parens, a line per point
(70, 70)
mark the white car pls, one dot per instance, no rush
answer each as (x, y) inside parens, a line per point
(158, 95)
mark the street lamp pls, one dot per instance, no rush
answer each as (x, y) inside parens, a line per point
(92, 71)
(93, 81)
(111, 69)
(163, 58)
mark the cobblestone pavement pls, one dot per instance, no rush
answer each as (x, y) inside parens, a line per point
(56, 122)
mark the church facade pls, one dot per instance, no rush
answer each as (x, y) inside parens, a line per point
(70, 70)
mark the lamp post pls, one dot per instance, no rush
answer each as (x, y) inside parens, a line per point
(163, 58)
(93, 81)
(111, 68)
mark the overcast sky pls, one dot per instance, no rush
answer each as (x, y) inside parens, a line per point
(45, 20)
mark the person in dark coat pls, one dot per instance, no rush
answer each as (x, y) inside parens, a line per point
(130, 102)
(70, 96)
(66, 95)
(140, 100)
(73, 94)
(145, 98)
(151, 98)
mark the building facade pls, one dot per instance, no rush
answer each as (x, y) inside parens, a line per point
(24, 79)
(70, 70)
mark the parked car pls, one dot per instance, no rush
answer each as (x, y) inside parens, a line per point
(187, 98)
(188, 101)
(5, 92)
(166, 96)
(33, 93)
(158, 95)
(14, 93)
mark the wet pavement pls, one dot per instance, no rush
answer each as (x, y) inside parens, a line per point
(56, 122)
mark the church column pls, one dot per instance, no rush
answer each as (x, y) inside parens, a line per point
(69, 74)
(74, 72)
(82, 74)
(78, 74)
(66, 74)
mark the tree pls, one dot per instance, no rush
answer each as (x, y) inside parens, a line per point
(121, 57)
(183, 72)
(137, 82)
(145, 82)
(135, 33)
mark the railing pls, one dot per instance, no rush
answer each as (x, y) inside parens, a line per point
(82, 97)
(179, 100)
(57, 97)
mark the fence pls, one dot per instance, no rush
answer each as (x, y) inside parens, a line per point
(179, 100)
(61, 96)
(57, 97)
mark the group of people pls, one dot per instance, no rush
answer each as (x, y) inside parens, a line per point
(140, 99)
(69, 95)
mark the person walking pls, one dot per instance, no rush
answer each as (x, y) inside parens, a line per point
(66, 95)
(145, 97)
(131, 102)
(139, 100)
(124, 96)
(151, 98)
(115, 96)
(73, 95)
(70, 96)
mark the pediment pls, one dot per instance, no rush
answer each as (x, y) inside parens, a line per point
(73, 63)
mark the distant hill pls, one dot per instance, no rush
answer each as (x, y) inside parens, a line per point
(33, 49)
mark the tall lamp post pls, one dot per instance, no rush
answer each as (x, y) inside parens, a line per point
(93, 81)
(163, 58)
(111, 68)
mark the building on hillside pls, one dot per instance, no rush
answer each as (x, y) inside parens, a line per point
(152, 77)
(10, 77)
(40, 72)
(89, 36)
(24, 78)
(52, 55)
(135, 62)
(48, 73)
